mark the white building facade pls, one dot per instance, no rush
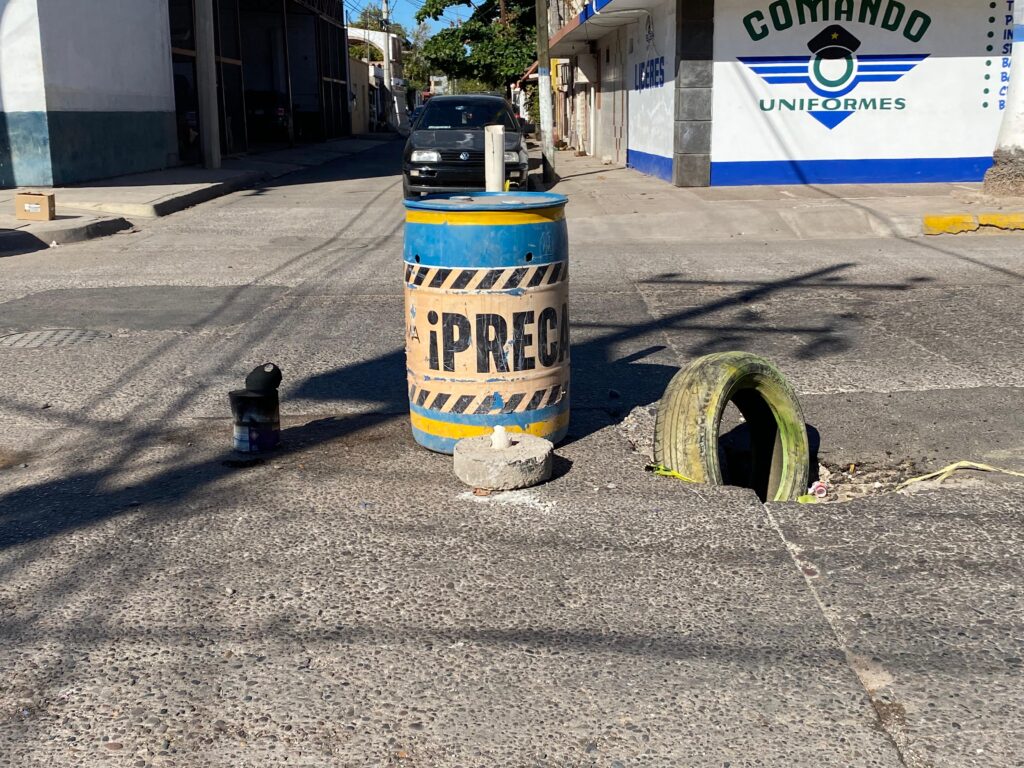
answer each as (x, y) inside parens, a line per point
(102, 88)
(736, 92)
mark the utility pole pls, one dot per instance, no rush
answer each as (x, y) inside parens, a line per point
(388, 86)
(288, 73)
(206, 82)
(544, 93)
(1006, 176)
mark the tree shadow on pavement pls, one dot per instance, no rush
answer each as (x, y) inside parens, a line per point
(607, 386)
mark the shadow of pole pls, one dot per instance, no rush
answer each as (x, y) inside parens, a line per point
(380, 381)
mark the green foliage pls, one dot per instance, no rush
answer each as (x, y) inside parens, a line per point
(357, 50)
(469, 85)
(486, 47)
(532, 104)
(415, 66)
(372, 17)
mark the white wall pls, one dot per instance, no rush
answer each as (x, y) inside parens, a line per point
(650, 80)
(21, 60)
(107, 55)
(937, 110)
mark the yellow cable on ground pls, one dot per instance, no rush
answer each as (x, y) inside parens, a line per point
(661, 469)
(945, 472)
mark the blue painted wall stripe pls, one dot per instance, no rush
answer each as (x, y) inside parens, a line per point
(880, 171)
(652, 165)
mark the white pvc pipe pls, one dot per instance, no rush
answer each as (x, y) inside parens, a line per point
(494, 158)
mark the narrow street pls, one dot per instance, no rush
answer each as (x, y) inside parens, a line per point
(347, 602)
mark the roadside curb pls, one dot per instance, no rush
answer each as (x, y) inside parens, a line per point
(22, 241)
(178, 202)
(959, 223)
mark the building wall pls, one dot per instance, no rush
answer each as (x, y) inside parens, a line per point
(359, 81)
(24, 135)
(650, 81)
(109, 87)
(612, 124)
(919, 100)
(302, 57)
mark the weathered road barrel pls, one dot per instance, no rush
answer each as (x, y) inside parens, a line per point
(487, 316)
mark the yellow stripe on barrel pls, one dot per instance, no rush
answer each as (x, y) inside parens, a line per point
(447, 429)
(485, 218)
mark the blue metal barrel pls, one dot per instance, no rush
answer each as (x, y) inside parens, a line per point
(487, 316)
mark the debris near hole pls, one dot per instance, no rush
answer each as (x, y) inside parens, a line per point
(865, 479)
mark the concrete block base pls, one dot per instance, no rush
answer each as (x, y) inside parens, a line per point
(1006, 176)
(525, 462)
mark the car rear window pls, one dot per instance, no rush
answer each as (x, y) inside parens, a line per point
(441, 115)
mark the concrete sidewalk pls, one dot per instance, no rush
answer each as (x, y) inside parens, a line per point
(658, 210)
(104, 207)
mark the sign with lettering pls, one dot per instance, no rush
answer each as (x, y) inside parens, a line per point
(651, 98)
(827, 91)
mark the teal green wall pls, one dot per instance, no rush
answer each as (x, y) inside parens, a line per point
(24, 150)
(56, 148)
(95, 145)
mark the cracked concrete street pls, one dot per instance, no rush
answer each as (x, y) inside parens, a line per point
(346, 602)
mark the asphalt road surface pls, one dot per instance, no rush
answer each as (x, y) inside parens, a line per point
(348, 603)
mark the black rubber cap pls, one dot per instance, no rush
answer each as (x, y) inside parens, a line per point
(833, 42)
(264, 378)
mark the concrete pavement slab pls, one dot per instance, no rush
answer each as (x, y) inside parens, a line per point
(809, 212)
(924, 590)
(438, 628)
(345, 602)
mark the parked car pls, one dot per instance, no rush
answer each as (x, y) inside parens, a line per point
(445, 151)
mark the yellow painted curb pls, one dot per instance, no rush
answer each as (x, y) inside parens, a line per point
(1002, 220)
(956, 223)
(949, 224)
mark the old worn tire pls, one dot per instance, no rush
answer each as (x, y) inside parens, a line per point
(690, 414)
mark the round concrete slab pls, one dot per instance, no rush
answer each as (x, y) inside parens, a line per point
(525, 462)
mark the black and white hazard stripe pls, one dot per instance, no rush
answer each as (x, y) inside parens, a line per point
(444, 278)
(520, 402)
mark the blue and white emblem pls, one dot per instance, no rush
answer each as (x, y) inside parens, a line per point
(833, 70)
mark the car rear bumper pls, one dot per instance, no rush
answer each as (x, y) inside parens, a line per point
(432, 179)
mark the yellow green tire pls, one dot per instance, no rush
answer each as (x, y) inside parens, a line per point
(690, 416)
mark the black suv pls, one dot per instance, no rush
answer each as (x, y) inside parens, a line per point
(445, 151)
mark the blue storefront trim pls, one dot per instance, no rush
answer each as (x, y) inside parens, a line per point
(652, 165)
(881, 171)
